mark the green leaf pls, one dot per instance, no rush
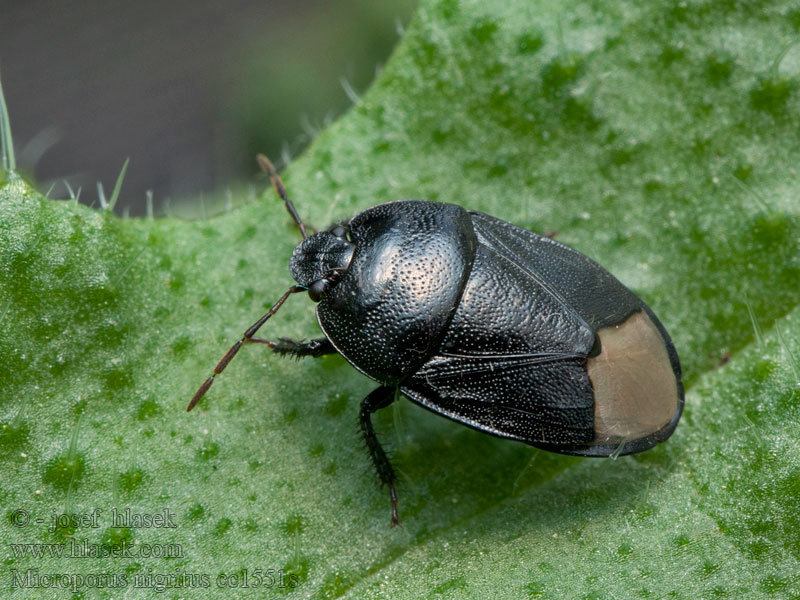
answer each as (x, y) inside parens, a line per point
(658, 138)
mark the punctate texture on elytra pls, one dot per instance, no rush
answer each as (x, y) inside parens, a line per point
(501, 329)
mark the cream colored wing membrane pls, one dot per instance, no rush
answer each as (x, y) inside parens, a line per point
(635, 390)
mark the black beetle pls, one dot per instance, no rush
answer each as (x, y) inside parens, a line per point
(503, 330)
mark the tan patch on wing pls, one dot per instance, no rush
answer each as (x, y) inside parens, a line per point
(635, 389)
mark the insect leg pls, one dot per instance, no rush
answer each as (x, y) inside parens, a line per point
(251, 331)
(269, 169)
(379, 398)
(296, 349)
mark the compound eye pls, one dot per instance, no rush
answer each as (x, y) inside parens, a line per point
(317, 290)
(339, 231)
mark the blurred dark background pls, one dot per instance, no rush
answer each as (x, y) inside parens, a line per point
(189, 90)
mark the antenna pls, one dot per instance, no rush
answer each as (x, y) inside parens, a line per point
(246, 337)
(269, 169)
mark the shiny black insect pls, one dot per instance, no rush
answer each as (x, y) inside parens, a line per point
(490, 325)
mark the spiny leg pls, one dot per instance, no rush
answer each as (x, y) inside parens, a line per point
(269, 169)
(379, 398)
(248, 335)
(297, 349)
